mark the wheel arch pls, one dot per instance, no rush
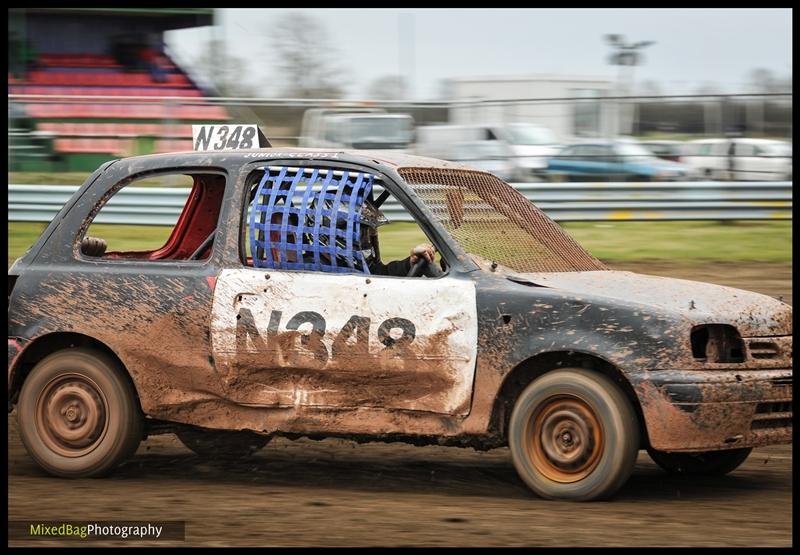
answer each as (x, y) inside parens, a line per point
(540, 364)
(50, 343)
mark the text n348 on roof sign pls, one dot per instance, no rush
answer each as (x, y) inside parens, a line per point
(224, 137)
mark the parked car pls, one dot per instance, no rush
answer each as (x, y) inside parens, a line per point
(666, 150)
(740, 159)
(356, 128)
(621, 160)
(260, 317)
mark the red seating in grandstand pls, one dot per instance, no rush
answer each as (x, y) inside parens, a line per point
(77, 60)
(119, 111)
(83, 78)
(70, 129)
(73, 75)
(167, 145)
(103, 91)
(84, 60)
(119, 147)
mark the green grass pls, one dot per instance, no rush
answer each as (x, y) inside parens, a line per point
(612, 242)
(686, 241)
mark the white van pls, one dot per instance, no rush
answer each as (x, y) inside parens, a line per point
(740, 159)
(356, 128)
(529, 146)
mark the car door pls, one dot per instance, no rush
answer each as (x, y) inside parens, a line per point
(293, 337)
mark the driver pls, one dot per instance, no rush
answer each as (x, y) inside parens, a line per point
(403, 267)
(371, 218)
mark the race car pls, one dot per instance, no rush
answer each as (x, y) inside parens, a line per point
(269, 312)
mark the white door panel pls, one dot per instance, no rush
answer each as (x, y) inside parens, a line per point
(342, 340)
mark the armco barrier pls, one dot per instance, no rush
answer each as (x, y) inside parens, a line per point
(712, 200)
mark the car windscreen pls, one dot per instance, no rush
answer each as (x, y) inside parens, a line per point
(490, 219)
(379, 132)
(778, 149)
(530, 135)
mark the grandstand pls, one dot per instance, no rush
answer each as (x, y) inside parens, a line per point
(61, 58)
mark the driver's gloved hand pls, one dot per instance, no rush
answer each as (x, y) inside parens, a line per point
(425, 250)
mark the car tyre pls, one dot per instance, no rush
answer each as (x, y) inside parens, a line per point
(78, 414)
(222, 444)
(708, 463)
(573, 435)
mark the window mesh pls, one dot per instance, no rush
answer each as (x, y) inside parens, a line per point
(496, 222)
(309, 219)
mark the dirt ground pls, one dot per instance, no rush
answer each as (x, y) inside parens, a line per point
(337, 493)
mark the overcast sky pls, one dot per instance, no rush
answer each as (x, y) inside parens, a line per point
(693, 46)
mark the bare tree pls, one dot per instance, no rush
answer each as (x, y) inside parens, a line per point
(762, 80)
(224, 70)
(305, 57)
(388, 87)
(708, 88)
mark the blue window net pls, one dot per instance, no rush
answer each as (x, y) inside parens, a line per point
(309, 219)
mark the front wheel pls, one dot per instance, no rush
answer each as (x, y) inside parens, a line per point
(708, 463)
(573, 435)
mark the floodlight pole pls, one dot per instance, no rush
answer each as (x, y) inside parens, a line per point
(625, 55)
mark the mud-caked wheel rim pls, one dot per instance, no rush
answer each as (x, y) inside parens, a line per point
(71, 415)
(564, 439)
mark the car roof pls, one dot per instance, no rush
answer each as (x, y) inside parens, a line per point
(391, 158)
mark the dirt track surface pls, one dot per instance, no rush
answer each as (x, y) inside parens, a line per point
(336, 492)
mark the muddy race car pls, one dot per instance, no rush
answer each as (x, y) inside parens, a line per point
(265, 315)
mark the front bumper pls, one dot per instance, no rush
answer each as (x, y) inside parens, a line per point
(711, 410)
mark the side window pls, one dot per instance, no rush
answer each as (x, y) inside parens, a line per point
(605, 154)
(579, 154)
(745, 150)
(720, 149)
(324, 220)
(126, 227)
(592, 153)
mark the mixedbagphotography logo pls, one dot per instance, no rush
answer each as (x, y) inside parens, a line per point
(96, 530)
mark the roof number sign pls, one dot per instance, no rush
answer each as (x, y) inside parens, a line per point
(227, 137)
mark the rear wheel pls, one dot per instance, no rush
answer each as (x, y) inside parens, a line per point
(573, 435)
(78, 414)
(708, 463)
(222, 443)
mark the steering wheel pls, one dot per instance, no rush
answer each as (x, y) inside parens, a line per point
(421, 265)
(416, 268)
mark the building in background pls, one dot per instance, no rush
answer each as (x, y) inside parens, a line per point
(545, 101)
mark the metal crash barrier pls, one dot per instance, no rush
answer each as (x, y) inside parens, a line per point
(564, 202)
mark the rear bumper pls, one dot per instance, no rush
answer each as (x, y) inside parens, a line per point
(709, 410)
